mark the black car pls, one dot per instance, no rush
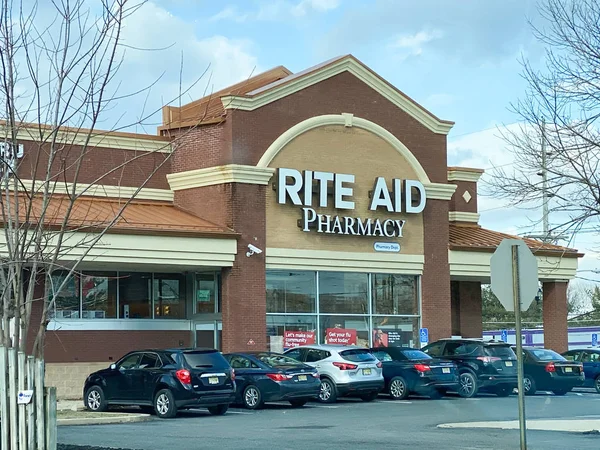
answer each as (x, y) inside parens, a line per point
(164, 381)
(409, 370)
(482, 365)
(546, 370)
(271, 377)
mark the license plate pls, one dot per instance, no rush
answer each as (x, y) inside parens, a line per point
(213, 380)
(366, 371)
(445, 369)
(301, 377)
(509, 363)
(568, 369)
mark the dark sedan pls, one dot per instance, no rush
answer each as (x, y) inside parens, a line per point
(164, 381)
(271, 377)
(408, 370)
(546, 370)
(590, 358)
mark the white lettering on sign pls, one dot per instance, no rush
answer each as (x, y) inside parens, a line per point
(326, 223)
(24, 397)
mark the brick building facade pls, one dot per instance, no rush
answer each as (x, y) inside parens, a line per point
(219, 198)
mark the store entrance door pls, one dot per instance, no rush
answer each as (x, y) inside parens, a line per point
(207, 333)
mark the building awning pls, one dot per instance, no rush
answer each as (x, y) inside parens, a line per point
(470, 237)
(92, 214)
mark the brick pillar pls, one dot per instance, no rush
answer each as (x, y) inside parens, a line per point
(470, 309)
(556, 335)
(436, 304)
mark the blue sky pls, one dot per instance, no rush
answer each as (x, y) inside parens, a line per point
(458, 58)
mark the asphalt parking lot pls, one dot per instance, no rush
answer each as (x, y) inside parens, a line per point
(353, 424)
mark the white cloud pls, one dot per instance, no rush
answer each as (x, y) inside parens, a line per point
(306, 6)
(277, 10)
(230, 13)
(413, 44)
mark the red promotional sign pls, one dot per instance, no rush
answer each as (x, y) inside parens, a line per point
(295, 338)
(341, 336)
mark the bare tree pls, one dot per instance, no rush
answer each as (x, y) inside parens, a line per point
(556, 149)
(58, 83)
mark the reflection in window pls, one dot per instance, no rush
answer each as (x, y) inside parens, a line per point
(395, 294)
(206, 292)
(134, 295)
(291, 292)
(99, 295)
(290, 331)
(345, 330)
(169, 296)
(389, 331)
(67, 300)
(343, 293)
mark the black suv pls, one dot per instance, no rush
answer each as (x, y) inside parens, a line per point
(164, 381)
(482, 365)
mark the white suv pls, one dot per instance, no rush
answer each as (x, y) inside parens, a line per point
(344, 370)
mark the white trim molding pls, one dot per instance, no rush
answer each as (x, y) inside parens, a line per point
(296, 259)
(461, 216)
(346, 64)
(97, 138)
(344, 120)
(122, 249)
(439, 191)
(476, 266)
(103, 190)
(464, 174)
(231, 173)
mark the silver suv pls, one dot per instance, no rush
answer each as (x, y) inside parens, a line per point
(344, 370)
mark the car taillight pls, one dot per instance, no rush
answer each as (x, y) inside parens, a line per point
(184, 376)
(488, 359)
(380, 364)
(550, 367)
(345, 366)
(316, 375)
(232, 374)
(278, 376)
(422, 368)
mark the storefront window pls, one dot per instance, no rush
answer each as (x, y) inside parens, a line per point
(66, 294)
(169, 296)
(285, 332)
(135, 295)
(343, 293)
(344, 330)
(395, 294)
(389, 331)
(206, 293)
(291, 292)
(99, 295)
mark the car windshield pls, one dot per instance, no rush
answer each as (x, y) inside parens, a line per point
(415, 354)
(547, 355)
(357, 355)
(500, 351)
(208, 359)
(275, 360)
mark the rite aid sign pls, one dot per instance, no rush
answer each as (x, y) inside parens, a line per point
(406, 196)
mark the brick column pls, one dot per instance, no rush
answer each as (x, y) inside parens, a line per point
(470, 309)
(556, 335)
(436, 302)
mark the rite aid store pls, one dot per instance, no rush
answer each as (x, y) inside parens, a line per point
(319, 209)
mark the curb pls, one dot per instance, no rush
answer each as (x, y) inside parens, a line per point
(113, 419)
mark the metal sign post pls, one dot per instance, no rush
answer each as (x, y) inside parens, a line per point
(517, 299)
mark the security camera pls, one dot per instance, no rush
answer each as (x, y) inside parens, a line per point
(253, 250)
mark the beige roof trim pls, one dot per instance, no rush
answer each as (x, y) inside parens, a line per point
(357, 69)
(461, 216)
(231, 173)
(104, 190)
(296, 259)
(104, 139)
(464, 174)
(439, 191)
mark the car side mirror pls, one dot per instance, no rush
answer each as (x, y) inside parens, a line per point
(113, 366)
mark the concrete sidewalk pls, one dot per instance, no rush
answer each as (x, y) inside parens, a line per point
(568, 425)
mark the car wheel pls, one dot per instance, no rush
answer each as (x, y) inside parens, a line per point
(328, 392)
(467, 385)
(218, 410)
(398, 389)
(252, 397)
(560, 392)
(95, 400)
(298, 403)
(369, 397)
(597, 384)
(529, 387)
(164, 404)
(502, 391)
